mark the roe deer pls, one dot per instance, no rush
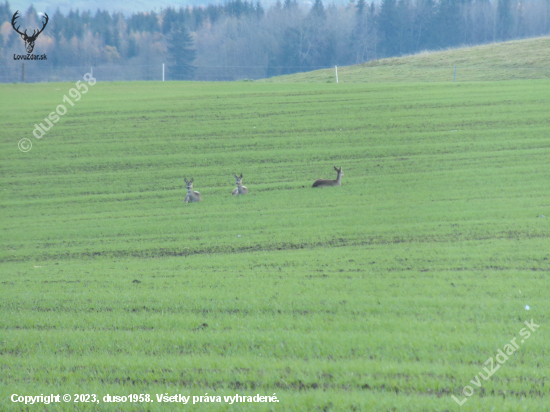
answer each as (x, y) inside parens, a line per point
(240, 189)
(324, 182)
(191, 195)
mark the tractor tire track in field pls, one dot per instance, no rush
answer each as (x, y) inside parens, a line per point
(285, 246)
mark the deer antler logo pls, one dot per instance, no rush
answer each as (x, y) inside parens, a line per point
(29, 40)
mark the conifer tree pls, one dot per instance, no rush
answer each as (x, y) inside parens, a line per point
(182, 54)
(5, 13)
(448, 24)
(387, 27)
(504, 20)
(169, 19)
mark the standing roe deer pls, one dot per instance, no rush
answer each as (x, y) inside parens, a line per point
(191, 195)
(240, 189)
(324, 182)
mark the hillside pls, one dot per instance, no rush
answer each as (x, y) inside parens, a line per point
(520, 59)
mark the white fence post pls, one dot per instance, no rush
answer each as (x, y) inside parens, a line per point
(336, 71)
(162, 71)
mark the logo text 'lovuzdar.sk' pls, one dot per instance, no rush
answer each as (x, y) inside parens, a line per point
(30, 57)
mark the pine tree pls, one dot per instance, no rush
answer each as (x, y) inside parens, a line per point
(318, 10)
(290, 5)
(363, 37)
(5, 13)
(31, 15)
(58, 25)
(259, 10)
(101, 22)
(290, 51)
(169, 20)
(425, 31)
(133, 49)
(405, 18)
(448, 24)
(73, 25)
(180, 49)
(108, 37)
(387, 27)
(504, 20)
(319, 46)
(520, 21)
(144, 22)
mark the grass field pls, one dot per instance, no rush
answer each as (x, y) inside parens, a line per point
(388, 293)
(513, 60)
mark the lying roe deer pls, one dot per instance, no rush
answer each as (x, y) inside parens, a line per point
(324, 182)
(240, 189)
(191, 195)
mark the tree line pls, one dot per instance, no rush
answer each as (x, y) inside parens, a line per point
(241, 39)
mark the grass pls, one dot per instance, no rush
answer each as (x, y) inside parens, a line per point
(513, 60)
(388, 293)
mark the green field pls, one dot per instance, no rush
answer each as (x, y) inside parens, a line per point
(388, 293)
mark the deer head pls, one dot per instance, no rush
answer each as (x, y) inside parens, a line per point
(29, 40)
(238, 179)
(339, 170)
(188, 183)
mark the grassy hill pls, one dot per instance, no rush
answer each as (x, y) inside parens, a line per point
(388, 293)
(521, 59)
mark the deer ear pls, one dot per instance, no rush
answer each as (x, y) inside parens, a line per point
(185, 179)
(241, 175)
(191, 181)
(335, 168)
